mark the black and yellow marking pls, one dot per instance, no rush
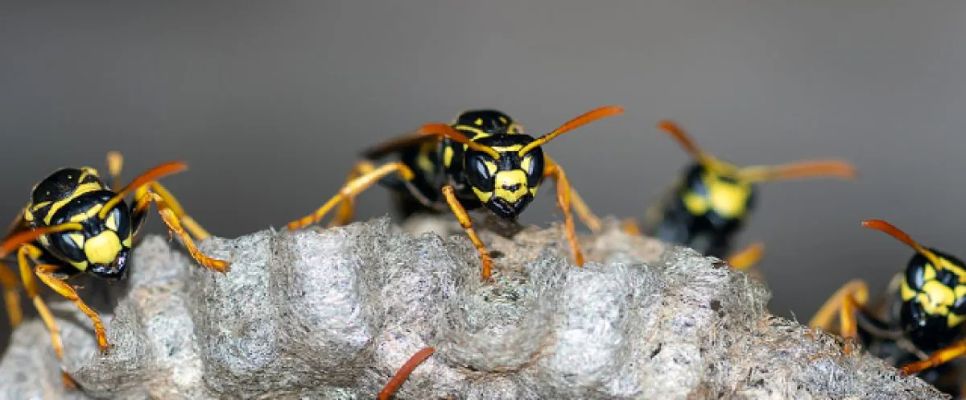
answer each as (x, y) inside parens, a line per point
(714, 198)
(932, 306)
(75, 223)
(482, 159)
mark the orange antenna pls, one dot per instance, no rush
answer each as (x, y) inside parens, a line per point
(581, 120)
(151, 175)
(14, 241)
(403, 373)
(443, 130)
(903, 237)
(805, 169)
(682, 137)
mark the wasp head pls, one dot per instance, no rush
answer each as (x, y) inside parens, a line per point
(508, 183)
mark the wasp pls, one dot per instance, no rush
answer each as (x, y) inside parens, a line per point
(482, 160)
(713, 199)
(922, 326)
(75, 223)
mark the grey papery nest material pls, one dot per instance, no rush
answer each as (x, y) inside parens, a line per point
(332, 314)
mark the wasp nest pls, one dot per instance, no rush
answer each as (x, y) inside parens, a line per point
(332, 314)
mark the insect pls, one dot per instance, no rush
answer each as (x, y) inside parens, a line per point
(922, 329)
(712, 201)
(74, 224)
(482, 160)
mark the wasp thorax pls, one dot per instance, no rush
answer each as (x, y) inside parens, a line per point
(721, 194)
(505, 185)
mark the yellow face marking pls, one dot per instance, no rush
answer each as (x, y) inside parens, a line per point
(928, 272)
(526, 163)
(906, 292)
(111, 222)
(103, 248)
(954, 319)
(490, 166)
(511, 185)
(77, 238)
(28, 216)
(483, 196)
(478, 122)
(936, 298)
(447, 156)
(503, 120)
(80, 265)
(514, 128)
(728, 199)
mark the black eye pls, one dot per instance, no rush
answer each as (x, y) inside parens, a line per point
(532, 165)
(480, 171)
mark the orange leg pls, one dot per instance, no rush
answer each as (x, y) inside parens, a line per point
(464, 219)
(46, 274)
(172, 203)
(746, 257)
(847, 302)
(397, 380)
(115, 162)
(24, 254)
(11, 298)
(564, 192)
(176, 220)
(352, 189)
(630, 227)
(937, 358)
(348, 208)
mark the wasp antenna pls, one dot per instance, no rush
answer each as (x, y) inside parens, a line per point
(903, 237)
(581, 120)
(805, 169)
(15, 240)
(153, 174)
(443, 130)
(403, 373)
(683, 139)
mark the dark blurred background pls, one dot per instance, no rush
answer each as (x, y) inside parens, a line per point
(271, 101)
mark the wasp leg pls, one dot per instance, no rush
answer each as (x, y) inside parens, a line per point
(630, 227)
(746, 257)
(564, 192)
(11, 298)
(848, 301)
(352, 189)
(170, 202)
(937, 358)
(347, 208)
(397, 380)
(580, 206)
(24, 254)
(583, 212)
(464, 219)
(171, 219)
(115, 163)
(46, 274)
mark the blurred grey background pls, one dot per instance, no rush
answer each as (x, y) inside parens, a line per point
(270, 102)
